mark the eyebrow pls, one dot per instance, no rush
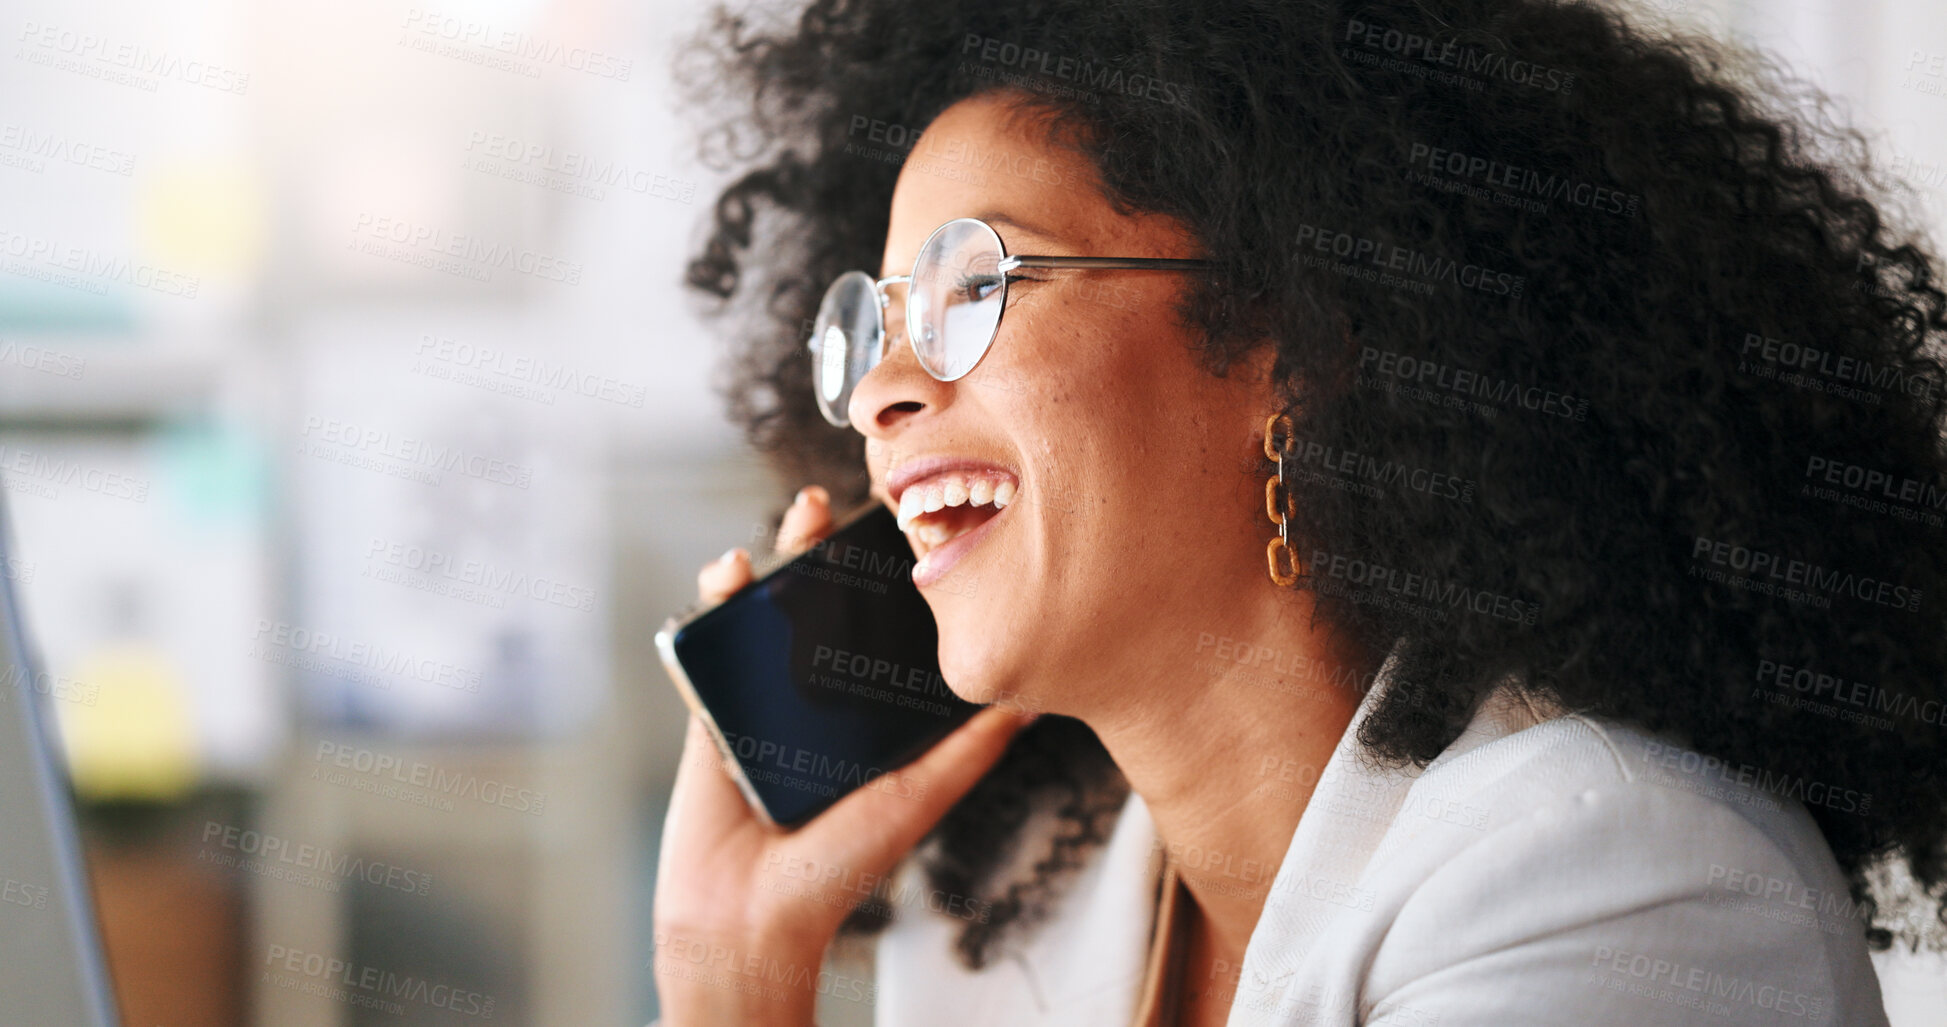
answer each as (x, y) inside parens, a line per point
(997, 219)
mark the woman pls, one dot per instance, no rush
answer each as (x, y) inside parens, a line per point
(1498, 582)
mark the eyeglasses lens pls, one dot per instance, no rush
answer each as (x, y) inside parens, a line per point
(845, 342)
(955, 302)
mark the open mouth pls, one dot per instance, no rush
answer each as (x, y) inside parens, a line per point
(943, 514)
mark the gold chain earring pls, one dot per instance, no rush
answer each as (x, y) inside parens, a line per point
(1278, 505)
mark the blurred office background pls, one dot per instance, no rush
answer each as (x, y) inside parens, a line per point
(359, 434)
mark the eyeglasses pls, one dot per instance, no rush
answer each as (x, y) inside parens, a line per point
(954, 300)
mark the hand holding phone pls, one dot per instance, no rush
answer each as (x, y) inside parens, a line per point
(820, 676)
(738, 887)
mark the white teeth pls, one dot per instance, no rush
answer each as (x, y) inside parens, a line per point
(912, 503)
(953, 489)
(932, 535)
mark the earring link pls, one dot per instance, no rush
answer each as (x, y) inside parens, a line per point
(1279, 513)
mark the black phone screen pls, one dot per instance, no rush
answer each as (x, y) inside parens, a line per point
(823, 674)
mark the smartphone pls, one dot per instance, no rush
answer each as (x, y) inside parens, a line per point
(820, 676)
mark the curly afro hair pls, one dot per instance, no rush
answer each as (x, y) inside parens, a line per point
(1664, 331)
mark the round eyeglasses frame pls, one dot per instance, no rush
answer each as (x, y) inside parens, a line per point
(829, 344)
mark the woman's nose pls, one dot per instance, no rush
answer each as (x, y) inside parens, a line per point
(898, 388)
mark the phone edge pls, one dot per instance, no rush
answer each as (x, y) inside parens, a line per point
(666, 647)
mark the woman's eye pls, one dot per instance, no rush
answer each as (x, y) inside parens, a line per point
(979, 287)
(974, 288)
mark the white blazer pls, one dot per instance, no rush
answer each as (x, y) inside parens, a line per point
(1542, 870)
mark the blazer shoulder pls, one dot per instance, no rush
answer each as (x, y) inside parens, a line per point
(1511, 772)
(1615, 871)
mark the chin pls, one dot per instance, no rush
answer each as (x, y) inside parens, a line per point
(973, 663)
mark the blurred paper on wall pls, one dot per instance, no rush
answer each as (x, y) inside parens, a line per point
(158, 545)
(452, 580)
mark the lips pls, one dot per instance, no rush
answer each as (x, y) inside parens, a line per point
(944, 504)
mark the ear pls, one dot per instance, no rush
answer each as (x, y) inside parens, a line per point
(1252, 371)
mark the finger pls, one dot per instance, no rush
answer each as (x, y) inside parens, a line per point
(808, 520)
(877, 825)
(724, 575)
